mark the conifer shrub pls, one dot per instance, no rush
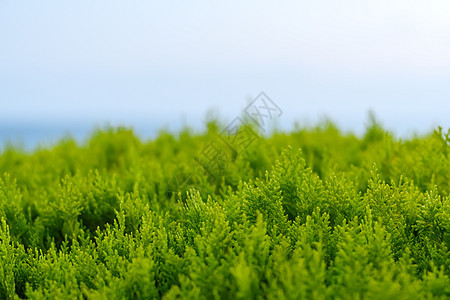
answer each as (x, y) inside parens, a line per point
(311, 214)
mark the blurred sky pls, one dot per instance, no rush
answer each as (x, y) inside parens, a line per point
(66, 66)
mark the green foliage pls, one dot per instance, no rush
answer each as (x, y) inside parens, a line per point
(312, 214)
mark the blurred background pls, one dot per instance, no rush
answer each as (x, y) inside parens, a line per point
(68, 67)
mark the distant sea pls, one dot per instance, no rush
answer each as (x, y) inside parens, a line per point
(29, 137)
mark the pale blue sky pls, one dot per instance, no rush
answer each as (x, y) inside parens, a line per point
(71, 65)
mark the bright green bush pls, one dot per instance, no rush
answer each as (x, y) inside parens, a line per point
(311, 214)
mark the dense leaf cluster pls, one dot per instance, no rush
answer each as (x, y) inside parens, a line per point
(311, 214)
